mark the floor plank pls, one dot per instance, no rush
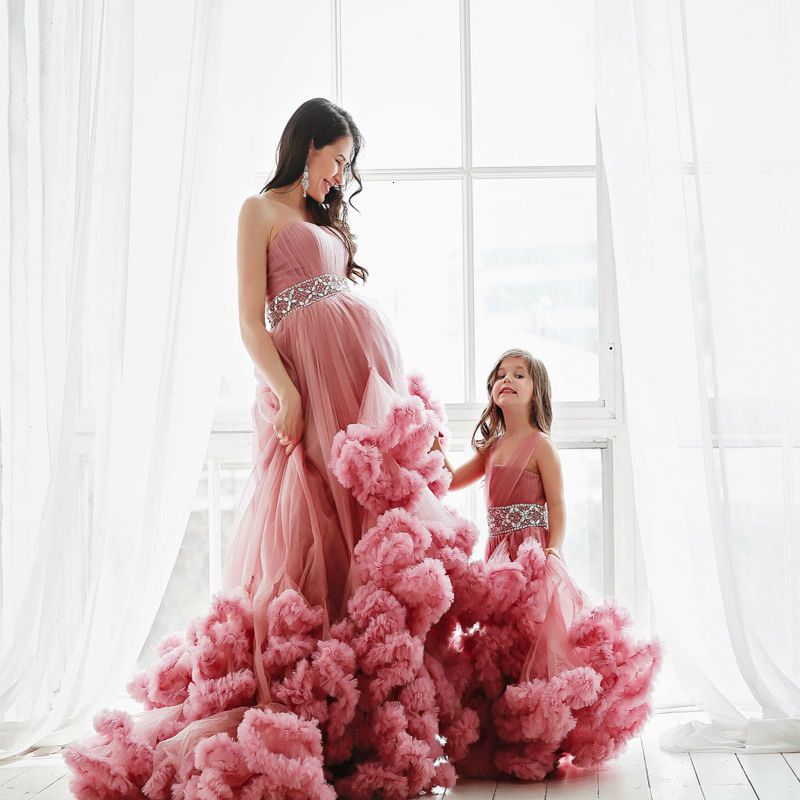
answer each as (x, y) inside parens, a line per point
(571, 783)
(58, 790)
(672, 775)
(530, 790)
(472, 789)
(10, 771)
(625, 778)
(793, 760)
(30, 782)
(770, 776)
(722, 777)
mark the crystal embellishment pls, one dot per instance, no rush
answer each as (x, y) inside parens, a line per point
(304, 294)
(504, 519)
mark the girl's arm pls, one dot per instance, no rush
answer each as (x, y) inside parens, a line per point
(467, 473)
(549, 465)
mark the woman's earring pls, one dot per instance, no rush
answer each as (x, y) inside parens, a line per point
(305, 178)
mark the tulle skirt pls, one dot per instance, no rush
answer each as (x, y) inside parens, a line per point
(554, 675)
(275, 697)
(296, 526)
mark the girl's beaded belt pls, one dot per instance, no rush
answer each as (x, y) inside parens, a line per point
(504, 519)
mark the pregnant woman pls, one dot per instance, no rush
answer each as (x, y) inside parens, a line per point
(325, 660)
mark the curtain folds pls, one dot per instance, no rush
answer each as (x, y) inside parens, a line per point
(698, 113)
(111, 331)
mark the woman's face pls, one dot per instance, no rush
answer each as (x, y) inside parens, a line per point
(513, 386)
(328, 166)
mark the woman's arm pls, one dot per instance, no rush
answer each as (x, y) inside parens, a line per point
(467, 473)
(255, 225)
(549, 465)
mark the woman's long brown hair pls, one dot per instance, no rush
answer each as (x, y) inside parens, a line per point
(492, 425)
(319, 121)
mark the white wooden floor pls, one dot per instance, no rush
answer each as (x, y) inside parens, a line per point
(643, 772)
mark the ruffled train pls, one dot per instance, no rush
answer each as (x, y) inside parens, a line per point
(553, 676)
(441, 666)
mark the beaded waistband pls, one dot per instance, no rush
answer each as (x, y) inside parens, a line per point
(304, 294)
(504, 519)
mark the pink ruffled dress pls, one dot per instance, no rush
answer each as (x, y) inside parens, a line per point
(324, 664)
(516, 508)
(558, 677)
(297, 526)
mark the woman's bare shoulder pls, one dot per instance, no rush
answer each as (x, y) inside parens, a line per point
(259, 209)
(269, 214)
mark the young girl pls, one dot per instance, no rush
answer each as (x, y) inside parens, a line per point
(554, 675)
(524, 487)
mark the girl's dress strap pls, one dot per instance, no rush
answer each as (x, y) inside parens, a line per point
(522, 455)
(505, 481)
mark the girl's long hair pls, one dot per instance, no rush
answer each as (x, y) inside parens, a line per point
(319, 121)
(492, 425)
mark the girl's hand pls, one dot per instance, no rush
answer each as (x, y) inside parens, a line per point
(437, 445)
(289, 421)
(553, 551)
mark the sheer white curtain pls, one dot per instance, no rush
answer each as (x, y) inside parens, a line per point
(110, 330)
(699, 118)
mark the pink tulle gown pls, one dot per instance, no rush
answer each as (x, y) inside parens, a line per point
(297, 526)
(324, 665)
(557, 676)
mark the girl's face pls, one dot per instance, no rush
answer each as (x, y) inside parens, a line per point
(328, 166)
(513, 386)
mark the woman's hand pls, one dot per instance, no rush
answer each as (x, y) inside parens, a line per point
(289, 420)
